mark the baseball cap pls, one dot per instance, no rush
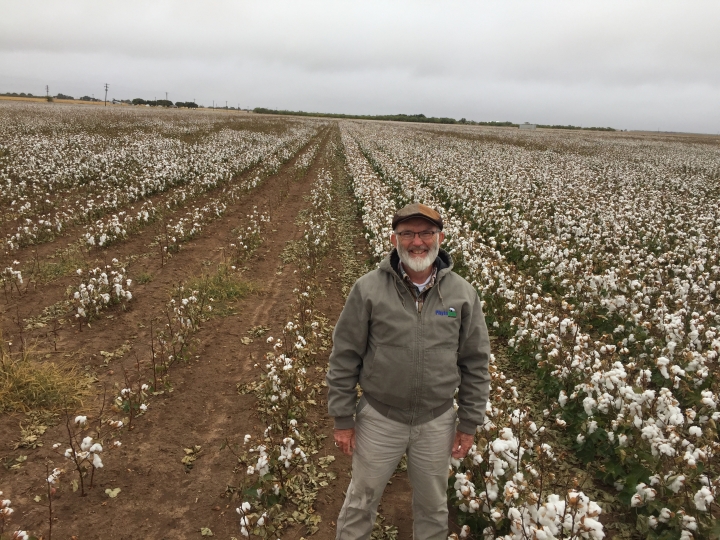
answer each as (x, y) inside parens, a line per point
(417, 210)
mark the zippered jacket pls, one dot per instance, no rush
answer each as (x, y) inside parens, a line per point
(410, 363)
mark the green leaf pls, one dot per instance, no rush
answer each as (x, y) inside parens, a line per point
(205, 531)
(112, 493)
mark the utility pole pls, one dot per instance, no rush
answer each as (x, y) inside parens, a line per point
(226, 104)
(213, 104)
(106, 89)
(47, 91)
(165, 96)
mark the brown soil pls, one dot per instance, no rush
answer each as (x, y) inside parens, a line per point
(159, 498)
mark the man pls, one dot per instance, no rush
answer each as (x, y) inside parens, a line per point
(411, 333)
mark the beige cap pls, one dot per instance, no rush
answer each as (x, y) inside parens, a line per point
(417, 210)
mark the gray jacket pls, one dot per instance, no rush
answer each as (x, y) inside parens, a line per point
(409, 364)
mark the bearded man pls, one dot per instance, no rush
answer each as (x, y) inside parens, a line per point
(412, 333)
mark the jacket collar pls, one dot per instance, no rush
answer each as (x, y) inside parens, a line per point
(443, 263)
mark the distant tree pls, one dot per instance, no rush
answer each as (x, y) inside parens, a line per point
(63, 96)
(88, 98)
(139, 101)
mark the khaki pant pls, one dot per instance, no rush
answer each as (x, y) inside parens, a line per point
(379, 445)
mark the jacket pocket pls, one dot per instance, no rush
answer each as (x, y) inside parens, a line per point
(441, 377)
(388, 374)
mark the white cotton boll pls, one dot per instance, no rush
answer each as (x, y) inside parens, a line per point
(246, 507)
(703, 498)
(143, 407)
(97, 447)
(696, 431)
(689, 522)
(86, 444)
(97, 462)
(81, 420)
(677, 484)
(562, 398)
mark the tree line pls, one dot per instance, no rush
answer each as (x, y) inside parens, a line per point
(418, 118)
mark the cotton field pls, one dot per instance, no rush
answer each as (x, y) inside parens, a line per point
(67, 166)
(124, 230)
(598, 258)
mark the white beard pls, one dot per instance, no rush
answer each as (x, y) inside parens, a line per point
(417, 264)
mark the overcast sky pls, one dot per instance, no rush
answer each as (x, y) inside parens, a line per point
(626, 64)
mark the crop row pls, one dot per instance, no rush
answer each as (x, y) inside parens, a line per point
(75, 165)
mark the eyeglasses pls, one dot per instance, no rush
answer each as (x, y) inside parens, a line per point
(409, 236)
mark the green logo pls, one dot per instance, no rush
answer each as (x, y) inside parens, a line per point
(452, 313)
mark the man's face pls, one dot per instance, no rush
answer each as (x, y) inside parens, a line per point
(417, 253)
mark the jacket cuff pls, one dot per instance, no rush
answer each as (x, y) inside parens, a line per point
(466, 426)
(344, 422)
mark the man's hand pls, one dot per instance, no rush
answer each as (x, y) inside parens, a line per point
(345, 440)
(461, 444)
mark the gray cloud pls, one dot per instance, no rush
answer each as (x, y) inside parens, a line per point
(644, 65)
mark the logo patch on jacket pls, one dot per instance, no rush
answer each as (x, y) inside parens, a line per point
(449, 313)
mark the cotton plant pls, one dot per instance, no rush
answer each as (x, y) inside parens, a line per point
(6, 512)
(98, 289)
(249, 237)
(273, 462)
(192, 223)
(12, 279)
(182, 317)
(132, 400)
(83, 453)
(116, 227)
(255, 523)
(303, 162)
(505, 486)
